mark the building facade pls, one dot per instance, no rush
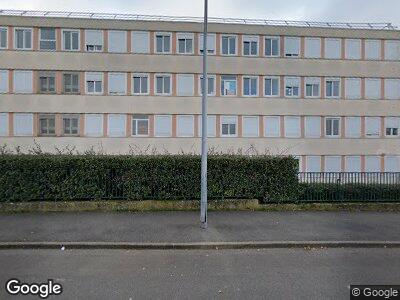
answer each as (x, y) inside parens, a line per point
(328, 95)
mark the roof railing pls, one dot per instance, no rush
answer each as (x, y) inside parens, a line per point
(136, 17)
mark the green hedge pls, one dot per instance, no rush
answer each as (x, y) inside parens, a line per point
(326, 192)
(69, 177)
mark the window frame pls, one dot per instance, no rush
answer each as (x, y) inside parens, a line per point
(351, 97)
(170, 84)
(278, 38)
(15, 73)
(292, 55)
(348, 134)
(46, 40)
(47, 116)
(369, 79)
(214, 36)
(236, 44)
(307, 133)
(169, 34)
(379, 56)
(392, 136)
(15, 124)
(186, 36)
(170, 126)
(299, 86)
(125, 84)
(125, 44)
(213, 76)
(265, 119)
(71, 116)
(6, 30)
(369, 136)
(257, 86)
(279, 86)
(305, 47)
(148, 41)
(141, 75)
(102, 41)
(326, 48)
(15, 38)
(63, 40)
(46, 74)
(339, 88)
(312, 84)
(333, 136)
(222, 123)
(94, 86)
(118, 134)
(251, 39)
(347, 49)
(257, 134)
(178, 134)
(137, 118)
(178, 79)
(63, 83)
(222, 85)
(297, 135)
(101, 133)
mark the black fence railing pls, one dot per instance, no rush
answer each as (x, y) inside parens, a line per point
(349, 186)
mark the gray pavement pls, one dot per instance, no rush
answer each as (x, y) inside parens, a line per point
(183, 227)
(202, 274)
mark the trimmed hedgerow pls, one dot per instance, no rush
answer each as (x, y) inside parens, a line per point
(158, 177)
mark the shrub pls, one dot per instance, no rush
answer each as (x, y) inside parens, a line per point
(158, 177)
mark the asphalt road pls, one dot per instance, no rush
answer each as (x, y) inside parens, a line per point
(195, 274)
(183, 227)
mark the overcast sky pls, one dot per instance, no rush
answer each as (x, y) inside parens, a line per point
(313, 10)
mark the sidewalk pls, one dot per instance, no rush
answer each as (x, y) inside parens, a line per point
(184, 227)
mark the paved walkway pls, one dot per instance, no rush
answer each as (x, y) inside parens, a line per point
(184, 227)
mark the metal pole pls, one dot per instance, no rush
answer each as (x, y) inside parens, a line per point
(204, 148)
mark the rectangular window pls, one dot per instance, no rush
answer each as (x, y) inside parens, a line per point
(228, 85)
(312, 86)
(353, 127)
(47, 82)
(211, 126)
(392, 125)
(3, 124)
(117, 41)
(185, 43)
(3, 38)
(272, 46)
(312, 47)
(392, 50)
(332, 88)
(163, 84)
(292, 46)
(140, 84)
(94, 83)
(140, 42)
(210, 85)
(70, 40)
(163, 43)
(228, 43)
(250, 126)
(333, 164)
(313, 163)
(312, 127)
(333, 48)
(210, 43)
(353, 164)
(47, 40)
(185, 84)
(392, 163)
(23, 38)
(271, 86)
(228, 126)
(392, 89)
(94, 125)
(116, 125)
(372, 127)
(140, 125)
(372, 163)
(94, 40)
(117, 83)
(71, 83)
(185, 126)
(70, 124)
(332, 127)
(250, 86)
(3, 81)
(250, 45)
(23, 124)
(292, 87)
(163, 126)
(372, 88)
(292, 127)
(272, 126)
(373, 49)
(23, 82)
(47, 124)
(353, 88)
(353, 49)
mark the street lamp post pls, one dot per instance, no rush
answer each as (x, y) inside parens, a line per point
(204, 148)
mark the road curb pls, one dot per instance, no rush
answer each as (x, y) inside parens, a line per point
(199, 246)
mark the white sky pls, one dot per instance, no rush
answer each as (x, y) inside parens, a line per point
(310, 10)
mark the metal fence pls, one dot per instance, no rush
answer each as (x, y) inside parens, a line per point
(349, 186)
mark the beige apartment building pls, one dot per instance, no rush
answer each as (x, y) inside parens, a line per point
(327, 93)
